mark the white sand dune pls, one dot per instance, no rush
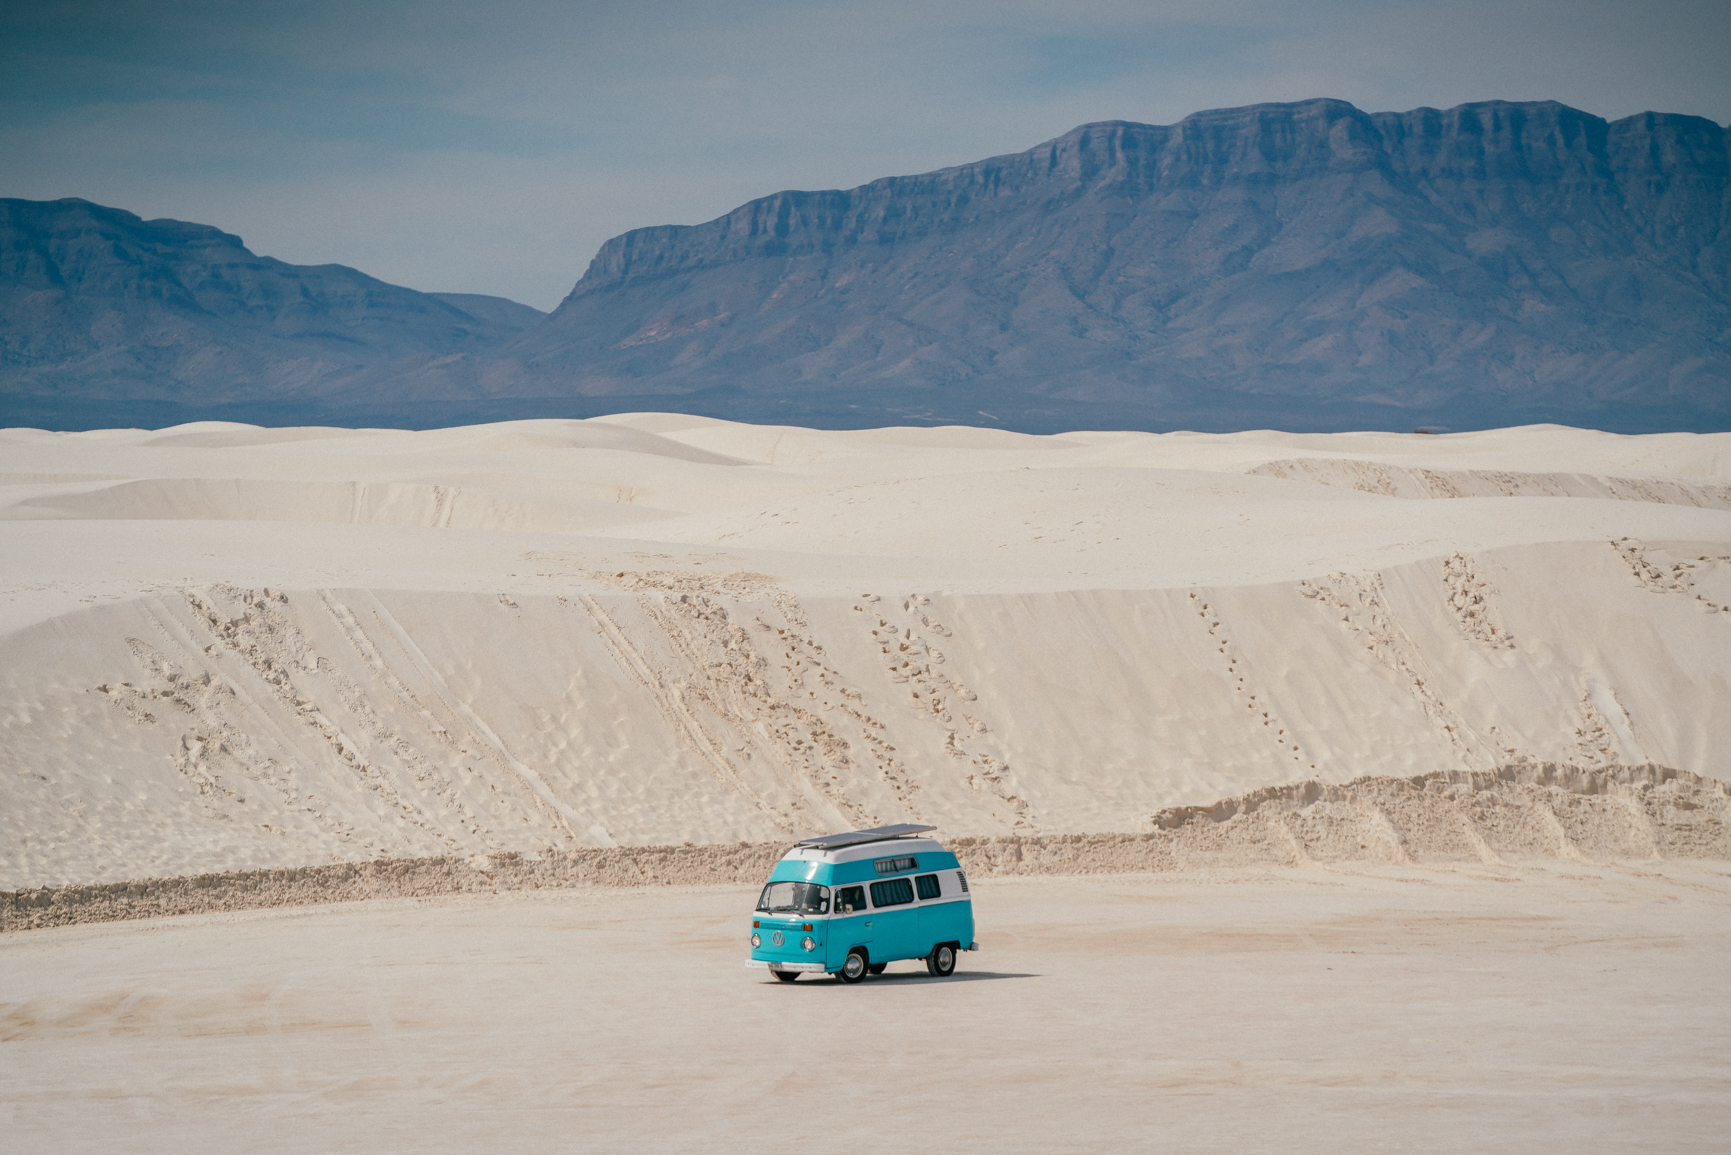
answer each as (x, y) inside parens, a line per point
(224, 647)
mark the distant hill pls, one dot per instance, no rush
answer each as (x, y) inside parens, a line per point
(1303, 266)
(103, 315)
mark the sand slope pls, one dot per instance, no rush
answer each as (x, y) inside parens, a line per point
(224, 647)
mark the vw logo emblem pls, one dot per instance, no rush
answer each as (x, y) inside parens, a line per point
(776, 938)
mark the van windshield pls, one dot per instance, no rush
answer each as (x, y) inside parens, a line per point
(794, 898)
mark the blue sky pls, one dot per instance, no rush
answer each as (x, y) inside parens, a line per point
(493, 147)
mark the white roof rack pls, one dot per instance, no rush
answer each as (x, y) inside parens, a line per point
(855, 837)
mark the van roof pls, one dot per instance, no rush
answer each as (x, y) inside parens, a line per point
(856, 837)
(862, 850)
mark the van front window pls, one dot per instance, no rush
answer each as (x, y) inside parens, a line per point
(794, 898)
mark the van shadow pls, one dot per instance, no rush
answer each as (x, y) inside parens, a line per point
(914, 978)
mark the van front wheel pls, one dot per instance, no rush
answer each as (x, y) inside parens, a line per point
(942, 961)
(787, 976)
(854, 969)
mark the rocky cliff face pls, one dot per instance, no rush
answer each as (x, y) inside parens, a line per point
(1290, 265)
(100, 309)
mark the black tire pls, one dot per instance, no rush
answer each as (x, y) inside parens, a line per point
(856, 966)
(877, 968)
(787, 976)
(942, 961)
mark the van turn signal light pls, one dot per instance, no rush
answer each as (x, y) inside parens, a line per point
(808, 926)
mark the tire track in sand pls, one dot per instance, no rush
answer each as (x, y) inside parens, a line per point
(764, 733)
(577, 824)
(1364, 613)
(910, 658)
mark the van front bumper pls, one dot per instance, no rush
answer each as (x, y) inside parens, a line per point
(787, 966)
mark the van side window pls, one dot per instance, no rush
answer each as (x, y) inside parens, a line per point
(929, 888)
(847, 896)
(895, 892)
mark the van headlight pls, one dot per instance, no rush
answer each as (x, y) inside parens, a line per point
(756, 939)
(809, 943)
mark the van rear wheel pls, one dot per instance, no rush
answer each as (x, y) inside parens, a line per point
(942, 961)
(877, 968)
(787, 976)
(856, 966)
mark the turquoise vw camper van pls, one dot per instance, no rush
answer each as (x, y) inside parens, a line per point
(851, 904)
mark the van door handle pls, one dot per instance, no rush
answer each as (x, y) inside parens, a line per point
(868, 924)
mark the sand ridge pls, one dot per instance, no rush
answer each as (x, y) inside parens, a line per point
(1396, 481)
(1516, 814)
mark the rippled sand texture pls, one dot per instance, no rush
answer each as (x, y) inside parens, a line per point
(225, 648)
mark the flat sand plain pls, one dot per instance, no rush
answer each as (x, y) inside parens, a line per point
(1366, 1009)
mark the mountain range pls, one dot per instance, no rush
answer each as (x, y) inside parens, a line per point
(1300, 266)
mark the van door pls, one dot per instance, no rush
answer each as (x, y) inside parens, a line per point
(849, 929)
(938, 921)
(897, 919)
